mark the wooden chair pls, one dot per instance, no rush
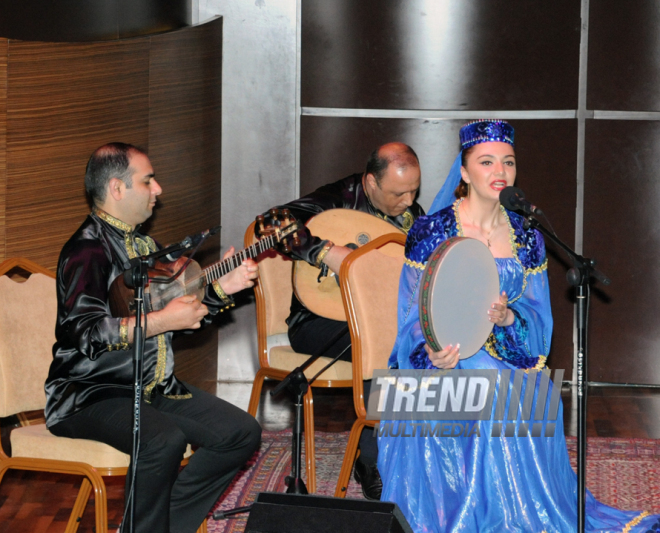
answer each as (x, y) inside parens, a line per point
(273, 293)
(28, 312)
(369, 279)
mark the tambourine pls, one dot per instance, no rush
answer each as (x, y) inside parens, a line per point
(459, 284)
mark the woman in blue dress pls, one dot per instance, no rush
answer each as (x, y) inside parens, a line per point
(480, 483)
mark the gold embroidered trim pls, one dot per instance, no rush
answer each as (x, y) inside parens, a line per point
(414, 264)
(225, 299)
(407, 222)
(324, 251)
(538, 269)
(490, 347)
(459, 226)
(178, 396)
(112, 220)
(635, 521)
(159, 373)
(123, 333)
(538, 366)
(144, 246)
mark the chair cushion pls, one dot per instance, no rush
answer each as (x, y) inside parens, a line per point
(285, 358)
(39, 443)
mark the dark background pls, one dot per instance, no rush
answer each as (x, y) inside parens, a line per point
(513, 56)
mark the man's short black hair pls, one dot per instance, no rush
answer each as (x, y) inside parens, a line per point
(377, 163)
(109, 161)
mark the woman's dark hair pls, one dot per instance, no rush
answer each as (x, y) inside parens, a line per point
(462, 190)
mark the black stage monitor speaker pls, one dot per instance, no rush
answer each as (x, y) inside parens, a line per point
(293, 513)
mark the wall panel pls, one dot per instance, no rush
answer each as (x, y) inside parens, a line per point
(622, 201)
(440, 54)
(65, 100)
(624, 55)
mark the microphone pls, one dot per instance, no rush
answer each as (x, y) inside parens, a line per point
(190, 242)
(514, 199)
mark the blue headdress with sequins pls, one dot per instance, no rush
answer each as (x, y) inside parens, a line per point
(475, 132)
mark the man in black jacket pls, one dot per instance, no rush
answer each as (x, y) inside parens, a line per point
(89, 390)
(386, 189)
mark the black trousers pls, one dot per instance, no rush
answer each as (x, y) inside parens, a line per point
(166, 500)
(312, 337)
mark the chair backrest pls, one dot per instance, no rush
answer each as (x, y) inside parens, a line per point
(28, 312)
(369, 280)
(272, 291)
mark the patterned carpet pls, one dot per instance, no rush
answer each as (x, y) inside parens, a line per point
(624, 473)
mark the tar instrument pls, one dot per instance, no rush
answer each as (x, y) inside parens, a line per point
(194, 279)
(322, 296)
(459, 284)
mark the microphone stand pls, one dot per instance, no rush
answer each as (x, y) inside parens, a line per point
(578, 276)
(137, 276)
(296, 383)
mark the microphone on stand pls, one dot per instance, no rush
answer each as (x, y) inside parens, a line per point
(190, 242)
(514, 200)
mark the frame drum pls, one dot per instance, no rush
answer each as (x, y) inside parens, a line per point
(459, 284)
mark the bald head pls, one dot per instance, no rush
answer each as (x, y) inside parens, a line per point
(392, 178)
(396, 154)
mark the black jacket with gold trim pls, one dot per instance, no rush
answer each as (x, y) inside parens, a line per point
(92, 359)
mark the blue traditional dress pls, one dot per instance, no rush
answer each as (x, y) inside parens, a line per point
(484, 483)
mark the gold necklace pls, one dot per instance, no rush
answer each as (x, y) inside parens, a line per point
(490, 233)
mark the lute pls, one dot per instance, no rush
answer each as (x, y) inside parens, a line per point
(321, 295)
(194, 279)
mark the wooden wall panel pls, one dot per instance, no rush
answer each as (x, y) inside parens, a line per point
(184, 146)
(184, 137)
(3, 142)
(65, 100)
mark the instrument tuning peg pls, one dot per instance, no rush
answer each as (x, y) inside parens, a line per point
(296, 240)
(260, 222)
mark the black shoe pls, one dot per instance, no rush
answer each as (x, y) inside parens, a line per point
(369, 479)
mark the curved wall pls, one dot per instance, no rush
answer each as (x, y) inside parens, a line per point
(60, 101)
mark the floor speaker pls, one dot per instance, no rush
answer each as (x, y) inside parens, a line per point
(293, 513)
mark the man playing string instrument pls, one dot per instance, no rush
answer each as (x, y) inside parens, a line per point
(387, 189)
(89, 388)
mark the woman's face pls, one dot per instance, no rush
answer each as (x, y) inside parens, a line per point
(490, 167)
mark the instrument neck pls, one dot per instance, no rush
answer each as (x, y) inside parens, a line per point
(219, 269)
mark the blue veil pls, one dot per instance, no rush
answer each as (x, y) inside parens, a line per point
(445, 196)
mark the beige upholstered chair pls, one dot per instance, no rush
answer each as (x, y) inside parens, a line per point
(28, 313)
(276, 357)
(369, 279)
